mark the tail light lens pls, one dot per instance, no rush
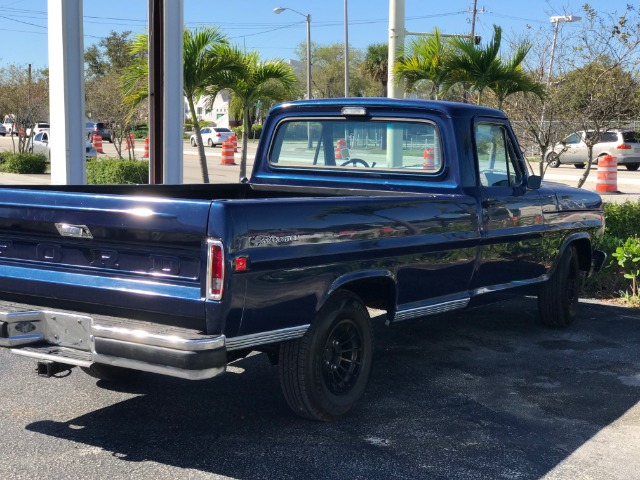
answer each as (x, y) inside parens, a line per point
(218, 134)
(215, 270)
(624, 146)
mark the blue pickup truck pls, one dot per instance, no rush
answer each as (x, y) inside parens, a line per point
(411, 207)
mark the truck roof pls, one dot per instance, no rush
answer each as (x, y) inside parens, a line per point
(453, 109)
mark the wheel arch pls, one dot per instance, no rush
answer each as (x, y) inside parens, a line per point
(377, 289)
(582, 242)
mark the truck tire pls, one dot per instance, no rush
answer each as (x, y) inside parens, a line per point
(558, 296)
(109, 373)
(324, 373)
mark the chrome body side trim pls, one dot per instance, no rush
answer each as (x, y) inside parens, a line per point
(402, 315)
(263, 338)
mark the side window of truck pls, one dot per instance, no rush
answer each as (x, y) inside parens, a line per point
(498, 165)
(358, 143)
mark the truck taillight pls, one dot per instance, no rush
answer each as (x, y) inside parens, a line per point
(624, 146)
(215, 270)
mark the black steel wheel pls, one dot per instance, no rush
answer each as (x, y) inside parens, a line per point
(553, 160)
(579, 165)
(324, 373)
(558, 296)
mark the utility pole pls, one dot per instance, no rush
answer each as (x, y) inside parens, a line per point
(473, 19)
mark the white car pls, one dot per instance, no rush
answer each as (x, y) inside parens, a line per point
(41, 145)
(622, 144)
(212, 136)
(37, 128)
(3, 129)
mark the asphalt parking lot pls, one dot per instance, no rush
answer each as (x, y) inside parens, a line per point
(483, 394)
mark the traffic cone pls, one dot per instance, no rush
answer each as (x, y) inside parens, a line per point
(607, 174)
(97, 142)
(228, 158)
(429, 162)
(131, 142)
(234, 140)
(146, 148)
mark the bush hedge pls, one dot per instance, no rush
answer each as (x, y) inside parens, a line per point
(115, 171)
(22, 162)
(622, 221)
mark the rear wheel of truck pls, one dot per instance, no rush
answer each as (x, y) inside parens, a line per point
(558, 296)
(324, 373)
(109, 373)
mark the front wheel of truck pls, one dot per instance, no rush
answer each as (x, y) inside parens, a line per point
(324, 373)
(558, 296)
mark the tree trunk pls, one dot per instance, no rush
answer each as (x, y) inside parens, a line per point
(245, 136)
(587, 169)
(196, 127)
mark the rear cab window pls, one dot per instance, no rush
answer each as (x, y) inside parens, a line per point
(369, 144)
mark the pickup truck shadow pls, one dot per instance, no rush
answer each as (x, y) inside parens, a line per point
(487, 393)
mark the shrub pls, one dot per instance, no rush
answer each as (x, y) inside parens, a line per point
(115, 171)
(238, 131)
(622, 219)
(22, 162)
(256, 130)
(628, 257)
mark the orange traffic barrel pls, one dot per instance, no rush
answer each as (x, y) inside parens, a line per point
(146, 148)
(607, 174)
(228, 158)
(22, 132)
(234, 141)
(341, 145)
(429, 162)
(97, 142)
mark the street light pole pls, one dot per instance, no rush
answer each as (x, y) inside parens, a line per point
(558, 20)
(278, 11)
(346, 51)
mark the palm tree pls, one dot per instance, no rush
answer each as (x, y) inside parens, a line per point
(376, 65)
(252, 81)
(426, 58)
(526, 84)
(204, 50)
(481, 67)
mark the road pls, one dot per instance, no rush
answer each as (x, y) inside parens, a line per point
(191, 172)
(628, 182)
(482, 394)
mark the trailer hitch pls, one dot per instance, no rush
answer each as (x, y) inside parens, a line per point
(49, 368)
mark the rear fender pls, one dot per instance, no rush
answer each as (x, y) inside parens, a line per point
(376, 288)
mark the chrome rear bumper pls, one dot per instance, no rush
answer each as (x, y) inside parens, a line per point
(77, 339)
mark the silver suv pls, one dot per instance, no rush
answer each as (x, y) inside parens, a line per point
(622, 144)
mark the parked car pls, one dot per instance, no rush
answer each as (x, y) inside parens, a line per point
(93, 128)
(41, 145)
(212, 136)
(9, 124)
(3, 130)
(37, 128)
(623, 144)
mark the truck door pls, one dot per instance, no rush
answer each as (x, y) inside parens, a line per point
(512, 223)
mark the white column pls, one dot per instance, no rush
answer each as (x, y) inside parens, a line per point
(396, 42)
(66, 92)
(173, 115)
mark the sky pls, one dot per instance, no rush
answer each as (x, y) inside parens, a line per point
(252, 25)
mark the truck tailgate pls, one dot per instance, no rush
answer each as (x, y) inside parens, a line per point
(82, 247)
